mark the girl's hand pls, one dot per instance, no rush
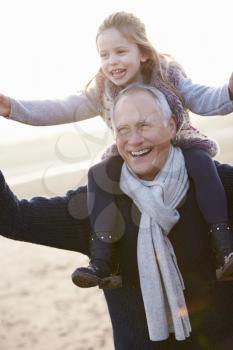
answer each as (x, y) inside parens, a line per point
(5, 106)
(231, 86)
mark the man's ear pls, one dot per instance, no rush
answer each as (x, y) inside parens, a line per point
(172, 127)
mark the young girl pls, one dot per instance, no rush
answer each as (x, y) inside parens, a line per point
(127, 56)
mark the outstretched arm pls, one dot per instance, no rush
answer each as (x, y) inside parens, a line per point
(205, 100)
(59, 222)
(72, 109)
(231, 86)
(5, 106)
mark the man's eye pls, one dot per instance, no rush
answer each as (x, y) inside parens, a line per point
(144, 126)
(122, 131)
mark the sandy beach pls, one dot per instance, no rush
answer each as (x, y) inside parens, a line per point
(40, 308)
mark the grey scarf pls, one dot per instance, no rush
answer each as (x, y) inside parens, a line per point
(160, 279)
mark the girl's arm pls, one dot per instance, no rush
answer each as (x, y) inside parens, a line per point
(59, 222)
(231, 86)
(206, 100)
(51, 112)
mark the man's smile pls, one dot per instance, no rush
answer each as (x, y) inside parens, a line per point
(141, 152)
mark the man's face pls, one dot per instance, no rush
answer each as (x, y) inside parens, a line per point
(142, 139)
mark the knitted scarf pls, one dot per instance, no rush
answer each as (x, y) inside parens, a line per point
(160, 279)
(187, 136)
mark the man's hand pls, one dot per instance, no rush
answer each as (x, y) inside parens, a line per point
(5, 106)
(231, 86)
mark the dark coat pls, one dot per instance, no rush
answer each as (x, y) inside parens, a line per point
(61, 222)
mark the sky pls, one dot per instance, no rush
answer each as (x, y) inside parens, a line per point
(48, 46)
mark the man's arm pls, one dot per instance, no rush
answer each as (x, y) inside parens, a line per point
(59, 222)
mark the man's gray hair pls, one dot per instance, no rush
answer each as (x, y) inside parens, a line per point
(158, 96)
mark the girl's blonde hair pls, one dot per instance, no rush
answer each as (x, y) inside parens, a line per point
(155, 66)
(134, 30)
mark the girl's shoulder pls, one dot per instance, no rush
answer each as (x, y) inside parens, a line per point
(171, 69)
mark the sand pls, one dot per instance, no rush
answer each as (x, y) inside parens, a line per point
(40, 308)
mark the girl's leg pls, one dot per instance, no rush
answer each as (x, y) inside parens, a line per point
(209, 189)
(106, 223)
(212, 202)
(103, 188)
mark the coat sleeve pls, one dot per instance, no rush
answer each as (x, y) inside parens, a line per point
(59, 222)
(72, 109)
(205, 100)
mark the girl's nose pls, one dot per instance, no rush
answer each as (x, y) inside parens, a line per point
(113, 60)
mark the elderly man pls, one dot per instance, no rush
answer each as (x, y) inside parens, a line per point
(151, 303)
(155, 177)
(143, 129)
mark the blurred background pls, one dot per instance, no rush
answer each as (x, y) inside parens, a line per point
(48, 51)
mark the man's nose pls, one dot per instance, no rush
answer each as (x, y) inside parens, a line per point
(135, 138)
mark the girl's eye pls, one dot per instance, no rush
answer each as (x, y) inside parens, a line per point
(103, 55)
(121, 51)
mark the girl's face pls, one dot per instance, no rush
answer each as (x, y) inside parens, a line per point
(120, 58)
